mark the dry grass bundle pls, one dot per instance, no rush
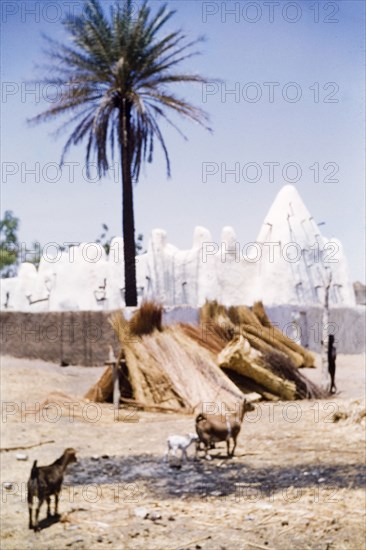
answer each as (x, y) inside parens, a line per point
(264, 345)
(177, 368)
(243, 315)
(171, 368)
(240, 357)
(214, 318)
(210, 337)
(263, 338)
(282, 366)
(147, 318)
(271, 373)
(353, 412)
(102, 391)
(148, 383)
(260, 313)
(281, 339)
(228, 322)
(63, 403)
(121, 327)
(248, 385)
(212, 312)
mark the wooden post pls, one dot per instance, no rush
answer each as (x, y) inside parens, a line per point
(115, 374)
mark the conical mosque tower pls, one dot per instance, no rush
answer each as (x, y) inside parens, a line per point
(297, 259)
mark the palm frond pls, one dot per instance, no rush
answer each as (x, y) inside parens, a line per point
(114, 57)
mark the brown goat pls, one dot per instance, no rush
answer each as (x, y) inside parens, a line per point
(46, 481)
(214, 428)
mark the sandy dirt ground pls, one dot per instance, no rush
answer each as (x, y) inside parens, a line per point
(297, 480)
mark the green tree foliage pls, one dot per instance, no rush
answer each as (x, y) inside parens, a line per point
(9, 246)
(105, 240)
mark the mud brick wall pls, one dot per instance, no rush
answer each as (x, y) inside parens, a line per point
(71, 337)
(346, 323)
(74, 338)
(84, 337)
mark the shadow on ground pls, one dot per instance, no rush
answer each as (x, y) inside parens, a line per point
(219, 477)
(48, 521)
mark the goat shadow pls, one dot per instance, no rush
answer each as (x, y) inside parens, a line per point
(48, 521)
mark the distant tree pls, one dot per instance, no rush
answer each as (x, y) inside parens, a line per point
(9, 246)
(139, 245)
(115, 72)
(34, 254)
(105, 240)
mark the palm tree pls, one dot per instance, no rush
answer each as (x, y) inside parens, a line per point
(114, 81)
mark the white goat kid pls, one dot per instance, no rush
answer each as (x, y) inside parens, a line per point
(181, 442)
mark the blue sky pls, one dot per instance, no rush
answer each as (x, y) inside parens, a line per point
(309, 55)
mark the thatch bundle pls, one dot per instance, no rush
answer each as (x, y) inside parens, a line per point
(280, 338)
(272, 375)
(243, 315)
(257, 356)
(102, 391)
(145, 320)
(209, 337)
(351, 412)
(256, 327)
(305, 388)
(167, 369)
(241, 357)
(262, 339)
(177, 368)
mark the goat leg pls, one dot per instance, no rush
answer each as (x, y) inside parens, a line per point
(30, 508)
(36, 525)
(207, 456)
(233, 449)
(197, 449)
(48, 507)
(228, 446)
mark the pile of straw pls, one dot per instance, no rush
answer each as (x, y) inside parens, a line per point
(255, 354)
(352, 412)
(233, 351)
(255, 326)
(167, 369)
(280, 338)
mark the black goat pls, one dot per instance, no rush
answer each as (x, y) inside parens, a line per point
(46, 481)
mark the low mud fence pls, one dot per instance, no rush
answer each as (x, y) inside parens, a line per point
(306, 324)
(67, 338)
(70, 337)
(84, 337)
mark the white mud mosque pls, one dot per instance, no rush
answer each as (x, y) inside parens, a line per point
(288, 264)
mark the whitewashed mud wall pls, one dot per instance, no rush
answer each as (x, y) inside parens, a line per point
(287, 264)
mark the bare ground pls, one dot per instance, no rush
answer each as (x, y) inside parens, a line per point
(297, 481)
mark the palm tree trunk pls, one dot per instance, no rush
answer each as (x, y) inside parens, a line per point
(128, 218)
